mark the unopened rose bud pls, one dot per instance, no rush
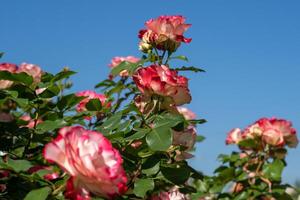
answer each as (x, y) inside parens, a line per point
(251, 175)
(66, 69)
(145, 47)
(136, 144)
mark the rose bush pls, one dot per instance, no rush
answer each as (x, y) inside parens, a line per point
(127, 138)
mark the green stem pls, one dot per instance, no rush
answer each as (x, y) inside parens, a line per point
(168, 58)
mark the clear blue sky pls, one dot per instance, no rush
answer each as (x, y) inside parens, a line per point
(250, 49)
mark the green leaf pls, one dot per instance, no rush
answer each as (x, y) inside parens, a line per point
(145, 153)
(184, 58)
(130, 67)
(191, 68)
(68, 101)
(198, 121)
(123, 66)
(94, 105)
(248, 143)
(274, 170)
(112, 122)
(62, 75)
(242, 196)
(176, 173)
(47, 77)
(139, 134)
(142, 186)
(21, 102)
(225, 174)
(19, 77)
(159, 139)
(106, 83)
(12, 93)
(168, 120)
(50, 92)
(49, 125)
(38, 194)
(200, 138)
(151, 171)
(19, 165)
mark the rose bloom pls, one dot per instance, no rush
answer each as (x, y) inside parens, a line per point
(118, 60)
(32, 70)
(90, 95)
(234, 136)
(160, 80)
(171, 27)
(187, 114)
(172, 194)
(91, 161)
(165, 32)
(31, 122)
(186, 138)
(12, 68)
(278, 132)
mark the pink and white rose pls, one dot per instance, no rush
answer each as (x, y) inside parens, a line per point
(118, 60)
(234, 136)
(160, 80)
(186, 138)
(12, 68)
(278, 132)
(164, 32)
(32, 70)
(171, 27)
(91, 161)
(187, 114)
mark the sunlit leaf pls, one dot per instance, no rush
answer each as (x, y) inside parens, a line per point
(38, 194)
(141, 186)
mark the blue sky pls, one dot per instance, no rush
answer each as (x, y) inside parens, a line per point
(250, 50)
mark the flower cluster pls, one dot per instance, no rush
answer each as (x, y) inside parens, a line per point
(164, 33)
(30, 69)
(91, 161)
(273, 132)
